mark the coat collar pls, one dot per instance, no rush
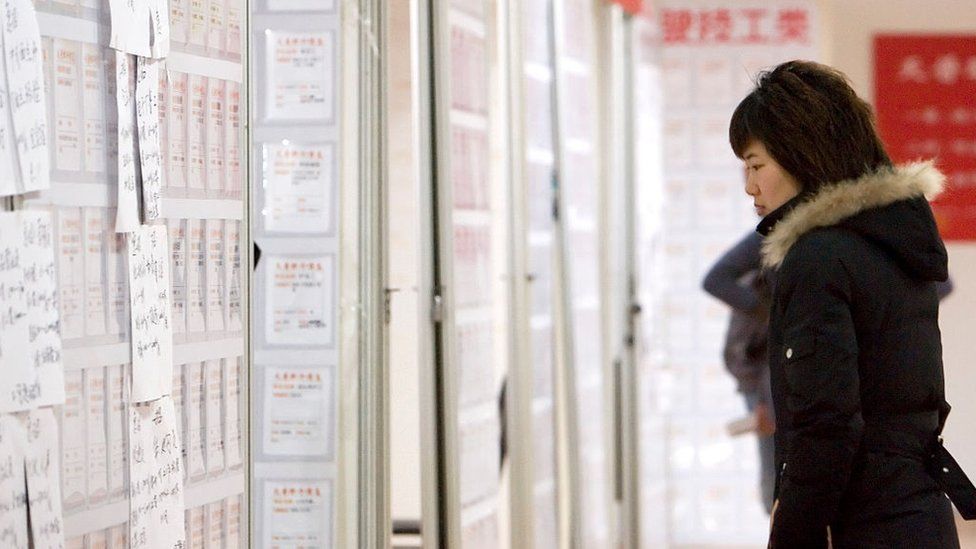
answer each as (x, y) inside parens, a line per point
(836, 202)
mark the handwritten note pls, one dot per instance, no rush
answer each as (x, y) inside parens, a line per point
(140, 27)
(300, 301)
(43, 492)
(127, 216)
(152, 329)
(30, 330)
(156, 504)
(21, 39)
(147, 118)
(13, 481)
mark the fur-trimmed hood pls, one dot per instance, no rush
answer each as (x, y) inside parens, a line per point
(888, 207)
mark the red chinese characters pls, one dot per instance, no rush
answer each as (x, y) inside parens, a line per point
(741, 26)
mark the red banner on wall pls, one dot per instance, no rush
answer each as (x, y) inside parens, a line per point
(925, 87)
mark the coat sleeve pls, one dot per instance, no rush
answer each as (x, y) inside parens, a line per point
(722, 280)
(820, 356)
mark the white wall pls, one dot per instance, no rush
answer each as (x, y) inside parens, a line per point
(850, 26)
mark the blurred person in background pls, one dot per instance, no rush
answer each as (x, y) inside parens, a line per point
(854, 342)
(738, 281)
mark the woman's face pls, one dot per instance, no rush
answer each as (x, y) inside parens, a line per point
(769, 185)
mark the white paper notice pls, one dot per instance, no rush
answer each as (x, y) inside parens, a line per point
(43, 492)
(215, 524)
(67, 106)
(196, 300)
(216, 277)
(177, 244)
(30, 334)
(298, 411)
(176, 132)
(193, 375)
(117, 280)
(300, 76)
(178, 21)
(156, 477)
(196, 170)
(300, 301)
(95, 422)
(232, 417)
(71, 273)
(21, 39)
(152, 331)
(297, 514)
(213, 375)
(215, 137)
(234, 22)
(232, 141)
(127, 215)
(298, 187)
(232, 510)
(13, 481)
(232, 265)
(95, 224)
(73, 475)
(115, 379)
(159, 28)
(147, 118)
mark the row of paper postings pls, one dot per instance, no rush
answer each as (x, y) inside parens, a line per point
(94, 438)
(217, 524)
(30, 495)
(30, 322)
(205, 282)
(197, 120)
(212, 27)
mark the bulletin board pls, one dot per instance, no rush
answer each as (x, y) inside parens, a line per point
(129, 206)
(295, 76)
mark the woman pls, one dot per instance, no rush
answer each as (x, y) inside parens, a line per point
(854, 342)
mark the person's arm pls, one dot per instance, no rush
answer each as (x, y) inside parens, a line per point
(820, 353)
(944, 288)
(722, 280)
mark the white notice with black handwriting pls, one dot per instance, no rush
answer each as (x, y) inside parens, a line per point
(13, 484)
(43, 488)
(147, 119)
(21, 39)
(9, 169)
(152, 328)
(156, 504)
(30, 331)
(127, 216)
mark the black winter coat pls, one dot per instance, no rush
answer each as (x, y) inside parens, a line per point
(856, 364)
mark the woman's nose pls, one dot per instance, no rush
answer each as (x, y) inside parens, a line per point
(751, 188)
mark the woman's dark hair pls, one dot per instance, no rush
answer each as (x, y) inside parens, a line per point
(811, 122)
